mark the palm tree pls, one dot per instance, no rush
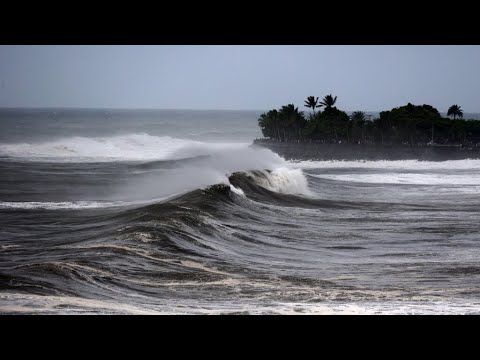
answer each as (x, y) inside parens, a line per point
(455, 111)
(329, 101)
(273, 114)
(292, 121)
(265, 123)
(311, 102)
(358, 116)
(358, 121)
(268, 123)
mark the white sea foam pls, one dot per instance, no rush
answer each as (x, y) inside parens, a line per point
(57, 205)
(223, 159)
(19, 303)
(405, 178)
(216, 168)
(75, 205)
(468, 164)
(237, 191)
(133, 147)
(284, 180)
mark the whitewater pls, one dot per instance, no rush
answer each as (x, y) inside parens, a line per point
(180, 214)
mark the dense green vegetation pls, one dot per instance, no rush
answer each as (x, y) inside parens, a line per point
(409, 124)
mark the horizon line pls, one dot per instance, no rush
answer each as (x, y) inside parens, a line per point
(115, 108)
(164, 109)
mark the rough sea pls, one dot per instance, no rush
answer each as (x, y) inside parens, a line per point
(174, 212)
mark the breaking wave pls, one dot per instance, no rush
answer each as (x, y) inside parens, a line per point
(133, 147)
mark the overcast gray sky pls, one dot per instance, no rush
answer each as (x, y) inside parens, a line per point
(370, 78)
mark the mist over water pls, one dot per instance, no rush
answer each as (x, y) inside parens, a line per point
(153, 212)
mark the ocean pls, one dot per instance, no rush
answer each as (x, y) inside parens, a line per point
(174, 212)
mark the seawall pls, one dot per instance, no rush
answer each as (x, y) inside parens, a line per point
(319, 151)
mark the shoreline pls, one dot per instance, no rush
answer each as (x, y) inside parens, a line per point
(349, 151)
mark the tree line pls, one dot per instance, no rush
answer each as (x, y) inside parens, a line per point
(409, 124)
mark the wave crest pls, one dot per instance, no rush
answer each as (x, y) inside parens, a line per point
(132, 147)
(282, 180)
